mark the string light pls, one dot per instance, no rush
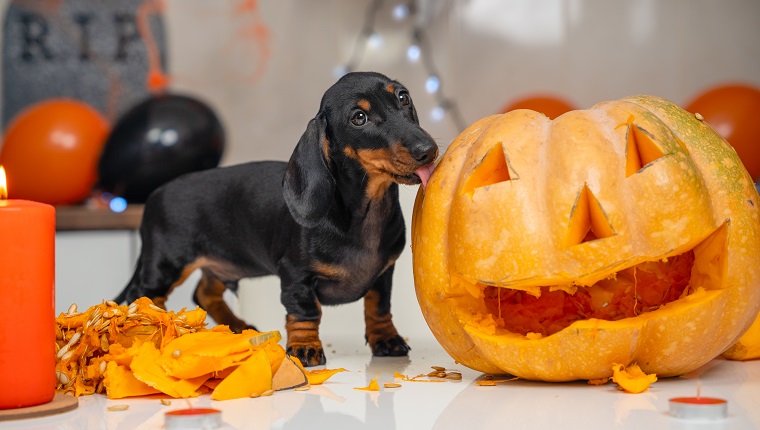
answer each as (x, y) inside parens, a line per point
(419, 50)
(400, 12)
(375, 41)
(432, 84)
(413, 53)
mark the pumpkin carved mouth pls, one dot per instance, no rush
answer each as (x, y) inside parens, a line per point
(645, 287)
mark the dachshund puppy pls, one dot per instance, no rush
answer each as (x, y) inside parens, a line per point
(328, 222)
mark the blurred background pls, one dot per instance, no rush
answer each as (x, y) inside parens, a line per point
(110, 99)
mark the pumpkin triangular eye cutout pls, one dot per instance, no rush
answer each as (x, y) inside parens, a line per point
(641, 150)
(493, 168)
(587, 220)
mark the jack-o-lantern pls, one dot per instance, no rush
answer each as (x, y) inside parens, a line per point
(551, 250)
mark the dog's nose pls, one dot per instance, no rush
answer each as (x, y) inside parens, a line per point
(424, 153)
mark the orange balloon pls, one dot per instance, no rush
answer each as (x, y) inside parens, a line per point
(51, 151)
(732, 111)
(549, 105)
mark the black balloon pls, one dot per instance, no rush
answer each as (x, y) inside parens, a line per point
(156, 141)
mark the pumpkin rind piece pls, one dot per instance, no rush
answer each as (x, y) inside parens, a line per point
(121, 383)
(513, 234)
(146, 369)
(288, 375)
(252, 377)
(197, 354)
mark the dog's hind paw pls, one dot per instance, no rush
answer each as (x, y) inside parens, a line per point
(391, 347)
(309, 355)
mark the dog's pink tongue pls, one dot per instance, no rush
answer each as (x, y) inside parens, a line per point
(424, 173)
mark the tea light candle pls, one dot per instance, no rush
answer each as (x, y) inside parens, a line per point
(27, 301)
(698, 408)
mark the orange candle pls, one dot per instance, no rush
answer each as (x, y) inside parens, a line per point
(27, 303)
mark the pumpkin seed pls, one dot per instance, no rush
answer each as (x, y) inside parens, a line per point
(102, 367)
(111, 303)
(267, 393)
(116, 408)
(699, 116)
(61, 377)
(438, 368)
(166, 402)
(132, 309)
(156, 308)
(176, 353)
(104, 345)
(72, 309)
(392, 385)
(303, 388)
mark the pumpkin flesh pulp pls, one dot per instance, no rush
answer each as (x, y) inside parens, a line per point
(630, 292)
(536, 312)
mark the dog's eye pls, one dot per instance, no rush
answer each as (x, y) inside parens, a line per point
(359, 119)
(404, 98)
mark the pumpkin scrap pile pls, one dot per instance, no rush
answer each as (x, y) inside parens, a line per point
(84, 338)
(141, 349)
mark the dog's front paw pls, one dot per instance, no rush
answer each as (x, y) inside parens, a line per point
(391, 347)
(310, 354)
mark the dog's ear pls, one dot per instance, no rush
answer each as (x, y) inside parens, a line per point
(308, 185)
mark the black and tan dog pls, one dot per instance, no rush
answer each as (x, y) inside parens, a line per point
(328, 222)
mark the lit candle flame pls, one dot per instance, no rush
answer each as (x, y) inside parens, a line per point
(3, 184)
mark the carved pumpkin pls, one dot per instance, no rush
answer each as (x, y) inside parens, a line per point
(551, 250)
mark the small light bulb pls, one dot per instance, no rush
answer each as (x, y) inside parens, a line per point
(375, 41)
(432, 84)
(413, 53)
(437, 114)
(117, 204)
(400, 12)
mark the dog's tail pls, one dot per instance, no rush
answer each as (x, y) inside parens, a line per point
(123, 295)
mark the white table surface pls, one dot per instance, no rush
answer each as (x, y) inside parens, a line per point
(460, 405)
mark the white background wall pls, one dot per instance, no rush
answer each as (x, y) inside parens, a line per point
(488, 52)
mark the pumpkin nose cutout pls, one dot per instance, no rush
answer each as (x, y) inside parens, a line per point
(587, 220)
(640, 151)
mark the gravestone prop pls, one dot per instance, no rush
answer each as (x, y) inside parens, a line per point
(90, 50)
